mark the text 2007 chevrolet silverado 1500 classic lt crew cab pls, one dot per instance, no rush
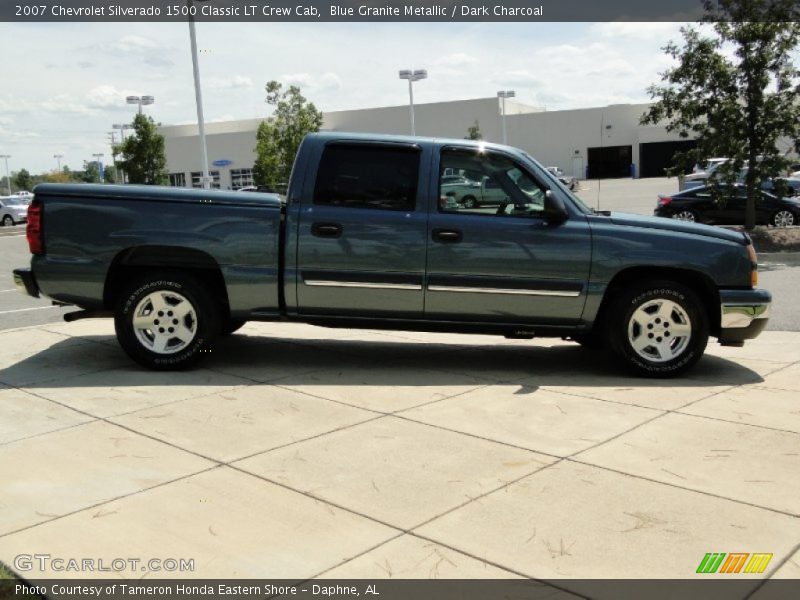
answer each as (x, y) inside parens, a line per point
(367, 238)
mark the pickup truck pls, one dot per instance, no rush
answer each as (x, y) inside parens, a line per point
(363, 241)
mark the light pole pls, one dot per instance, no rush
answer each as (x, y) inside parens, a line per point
(141, 101)
(97, 157)
(112, 136)
(8, 175)
(122, 127)
(198, 97)
(58, 157)
(503, 94)
(412, 76)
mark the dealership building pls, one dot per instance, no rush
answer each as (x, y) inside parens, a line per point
(591, 143)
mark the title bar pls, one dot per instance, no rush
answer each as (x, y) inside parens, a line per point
(348, 10)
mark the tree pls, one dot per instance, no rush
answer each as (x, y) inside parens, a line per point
(110, 174)
(23, 180)
(736, 91)
(278, 138)
(474, 132)
(91, 174)
(143, 156)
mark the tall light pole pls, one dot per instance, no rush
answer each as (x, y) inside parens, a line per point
(58, 157)
(8, 175)
(112, 137)
(141, 101)
(98, 159)
(503, 94)
(122, 127)
(412, 76)
(198, 97)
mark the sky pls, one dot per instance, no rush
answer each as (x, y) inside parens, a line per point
(62, 86)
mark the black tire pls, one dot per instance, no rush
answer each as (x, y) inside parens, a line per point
(232, 326)
(8, 221)
(783, 218)
(667, 353)
(195, 325)
(469, 202)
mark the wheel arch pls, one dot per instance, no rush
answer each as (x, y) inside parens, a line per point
(700, 283)
(133, 263)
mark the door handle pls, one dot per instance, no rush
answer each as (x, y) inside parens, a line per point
(328, 230)
(447, 236)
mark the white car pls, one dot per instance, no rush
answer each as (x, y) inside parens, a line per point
(13, 210)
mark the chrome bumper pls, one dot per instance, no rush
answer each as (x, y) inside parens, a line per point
(744, 314)
(735, 316)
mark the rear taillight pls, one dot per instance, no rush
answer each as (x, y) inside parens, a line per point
(34, 229)
(663, 201)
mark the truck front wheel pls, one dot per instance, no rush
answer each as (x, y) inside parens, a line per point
(166, 321)
(658, 328)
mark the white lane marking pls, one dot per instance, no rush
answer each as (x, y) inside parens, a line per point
(11, 290)
(12, 236)
(5, 312)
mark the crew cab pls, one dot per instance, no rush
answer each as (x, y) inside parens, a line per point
(362, 240)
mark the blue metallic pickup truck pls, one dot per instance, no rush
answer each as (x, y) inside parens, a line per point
(368, 238)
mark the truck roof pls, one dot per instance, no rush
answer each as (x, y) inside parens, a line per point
(156, 192)
(325, 136)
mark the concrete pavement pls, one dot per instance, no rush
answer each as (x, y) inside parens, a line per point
(298, 452)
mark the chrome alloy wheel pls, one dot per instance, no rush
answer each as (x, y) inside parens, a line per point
(783, 218)
(165, 322)
(659, 330)
(684, 215)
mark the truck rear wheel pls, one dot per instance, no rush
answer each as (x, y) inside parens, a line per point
(166, 321)
(658, 328)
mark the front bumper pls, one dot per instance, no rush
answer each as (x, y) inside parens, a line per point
(744, 315)
(25, 282)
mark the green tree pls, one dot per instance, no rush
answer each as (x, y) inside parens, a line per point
(23, 180)
(110, 174)
(278, 138)
(474, 132)
(143, 156)
(734, 89)
(91, 174)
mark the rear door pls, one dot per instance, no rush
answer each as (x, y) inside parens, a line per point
(504, 262)
(362, 229)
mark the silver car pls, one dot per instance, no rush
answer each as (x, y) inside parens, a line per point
(13, 210)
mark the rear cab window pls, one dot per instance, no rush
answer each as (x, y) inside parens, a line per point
(368, 176)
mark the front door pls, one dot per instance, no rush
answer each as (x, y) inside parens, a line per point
(362, 229)
(504, 262)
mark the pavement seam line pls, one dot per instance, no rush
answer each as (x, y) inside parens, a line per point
(775, 569)
(742, 423)
(115, 499)
(680, 487)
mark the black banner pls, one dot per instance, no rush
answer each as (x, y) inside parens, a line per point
(349, 10)
(713, 588)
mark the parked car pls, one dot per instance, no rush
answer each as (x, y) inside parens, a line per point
(362, 242)
(725, 205)
(13, 210)
(567, 180)
(457, 187)
(699, 177)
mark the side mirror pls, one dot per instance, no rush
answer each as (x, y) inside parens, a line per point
(451, 194)
(555, 211)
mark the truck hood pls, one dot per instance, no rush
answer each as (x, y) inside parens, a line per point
(662, 223)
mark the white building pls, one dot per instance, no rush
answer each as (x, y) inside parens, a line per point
(591, 142)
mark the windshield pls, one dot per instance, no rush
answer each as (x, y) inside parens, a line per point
(555, 180)
(11, 201)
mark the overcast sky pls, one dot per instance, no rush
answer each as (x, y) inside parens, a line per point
(63, 85)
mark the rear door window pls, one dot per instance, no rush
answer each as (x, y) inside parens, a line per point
(368, 176)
